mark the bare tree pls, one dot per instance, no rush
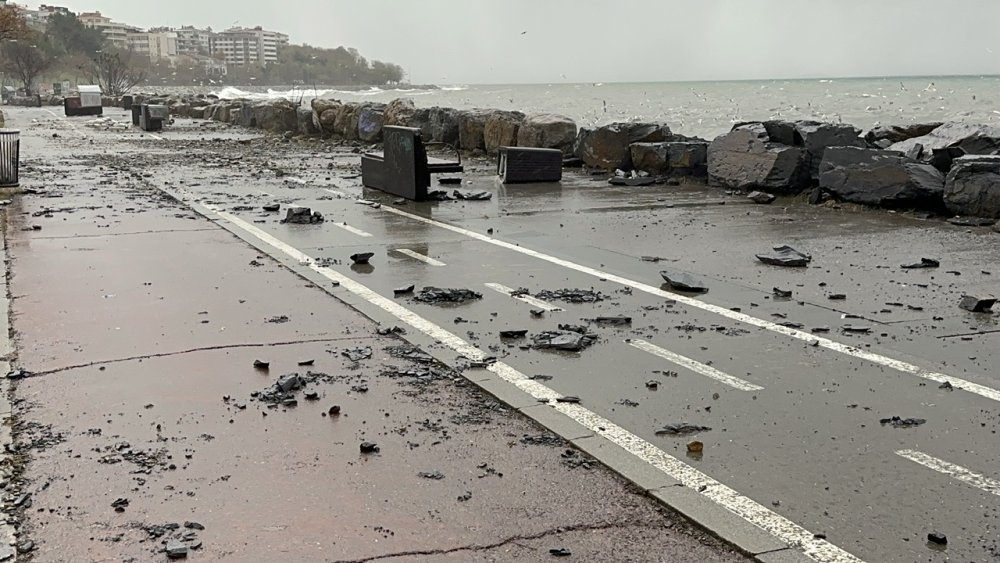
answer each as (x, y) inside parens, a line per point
(26, 61)
(117, 72)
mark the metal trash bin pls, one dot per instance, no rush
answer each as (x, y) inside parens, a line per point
(523, 164)
(136, 111)
(10, 157)
(152, 116)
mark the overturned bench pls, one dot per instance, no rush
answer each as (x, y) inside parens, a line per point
(403, 168)
(517, 165)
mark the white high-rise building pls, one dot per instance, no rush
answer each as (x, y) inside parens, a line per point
(194, 41)
(248, 46)
(115, 33)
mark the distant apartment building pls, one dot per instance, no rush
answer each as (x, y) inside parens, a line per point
(115, 33)
(37, 19)
(248, 46)
(193, 41)
(156, 45)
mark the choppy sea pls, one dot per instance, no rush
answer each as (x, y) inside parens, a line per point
(707, 109)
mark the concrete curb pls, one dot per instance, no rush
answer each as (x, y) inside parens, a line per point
(8, 535)
(702, 512)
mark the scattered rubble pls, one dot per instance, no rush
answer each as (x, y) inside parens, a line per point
(976, 304)
(570, 295)
(302, 216)
(762, 198)
(681, 429)
(436, 295)
(472, 196)
(357, 354)
(937, 538)
(615, 321)
(924, 263)
(897, 422)
(513, 333)
(362, 257)
(176, 549)
(403, 290)
(564, 339)
(683, 281)
(786, 256)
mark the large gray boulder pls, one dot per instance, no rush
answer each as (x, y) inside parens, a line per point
(399, 112)
(346, 124)
(899, 133)
(436, 124)
(971, 138)
(471, 129)
(242, 114)
(746, 158)
(880, 178)
(325, 114)
(678, 158)
(371, 118)
(816, 137)
(319, 105)
(547, 130)
(306, 124)
(277, 116)
(501, 129)
(973, 186)
(608, 146)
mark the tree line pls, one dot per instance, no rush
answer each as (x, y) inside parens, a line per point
(68, 50)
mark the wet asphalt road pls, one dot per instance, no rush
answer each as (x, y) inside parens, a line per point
(139, 323)
(806, 442)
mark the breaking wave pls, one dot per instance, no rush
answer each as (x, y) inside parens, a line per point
(295, 94)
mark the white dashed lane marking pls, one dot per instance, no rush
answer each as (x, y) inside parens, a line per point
(697, 367)
(417, 256)
(957, 472)
(352, 230)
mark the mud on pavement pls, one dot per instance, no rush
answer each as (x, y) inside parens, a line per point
(177, 394)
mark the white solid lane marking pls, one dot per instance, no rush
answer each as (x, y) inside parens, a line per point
(697, 367)
(898, 365)
(791, 533)
(421, 257)
(68, 122)
(958, 472)
(351, 229)
(533, 301)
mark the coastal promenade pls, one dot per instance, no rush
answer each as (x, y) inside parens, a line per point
(156, 279)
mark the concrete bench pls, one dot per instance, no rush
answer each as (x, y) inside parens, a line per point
(403, 167)
(522, 165)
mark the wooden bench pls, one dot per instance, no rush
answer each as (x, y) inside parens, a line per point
(523, 164)
(403, 168)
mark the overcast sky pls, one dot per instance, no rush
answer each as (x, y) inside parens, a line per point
(515, 41)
